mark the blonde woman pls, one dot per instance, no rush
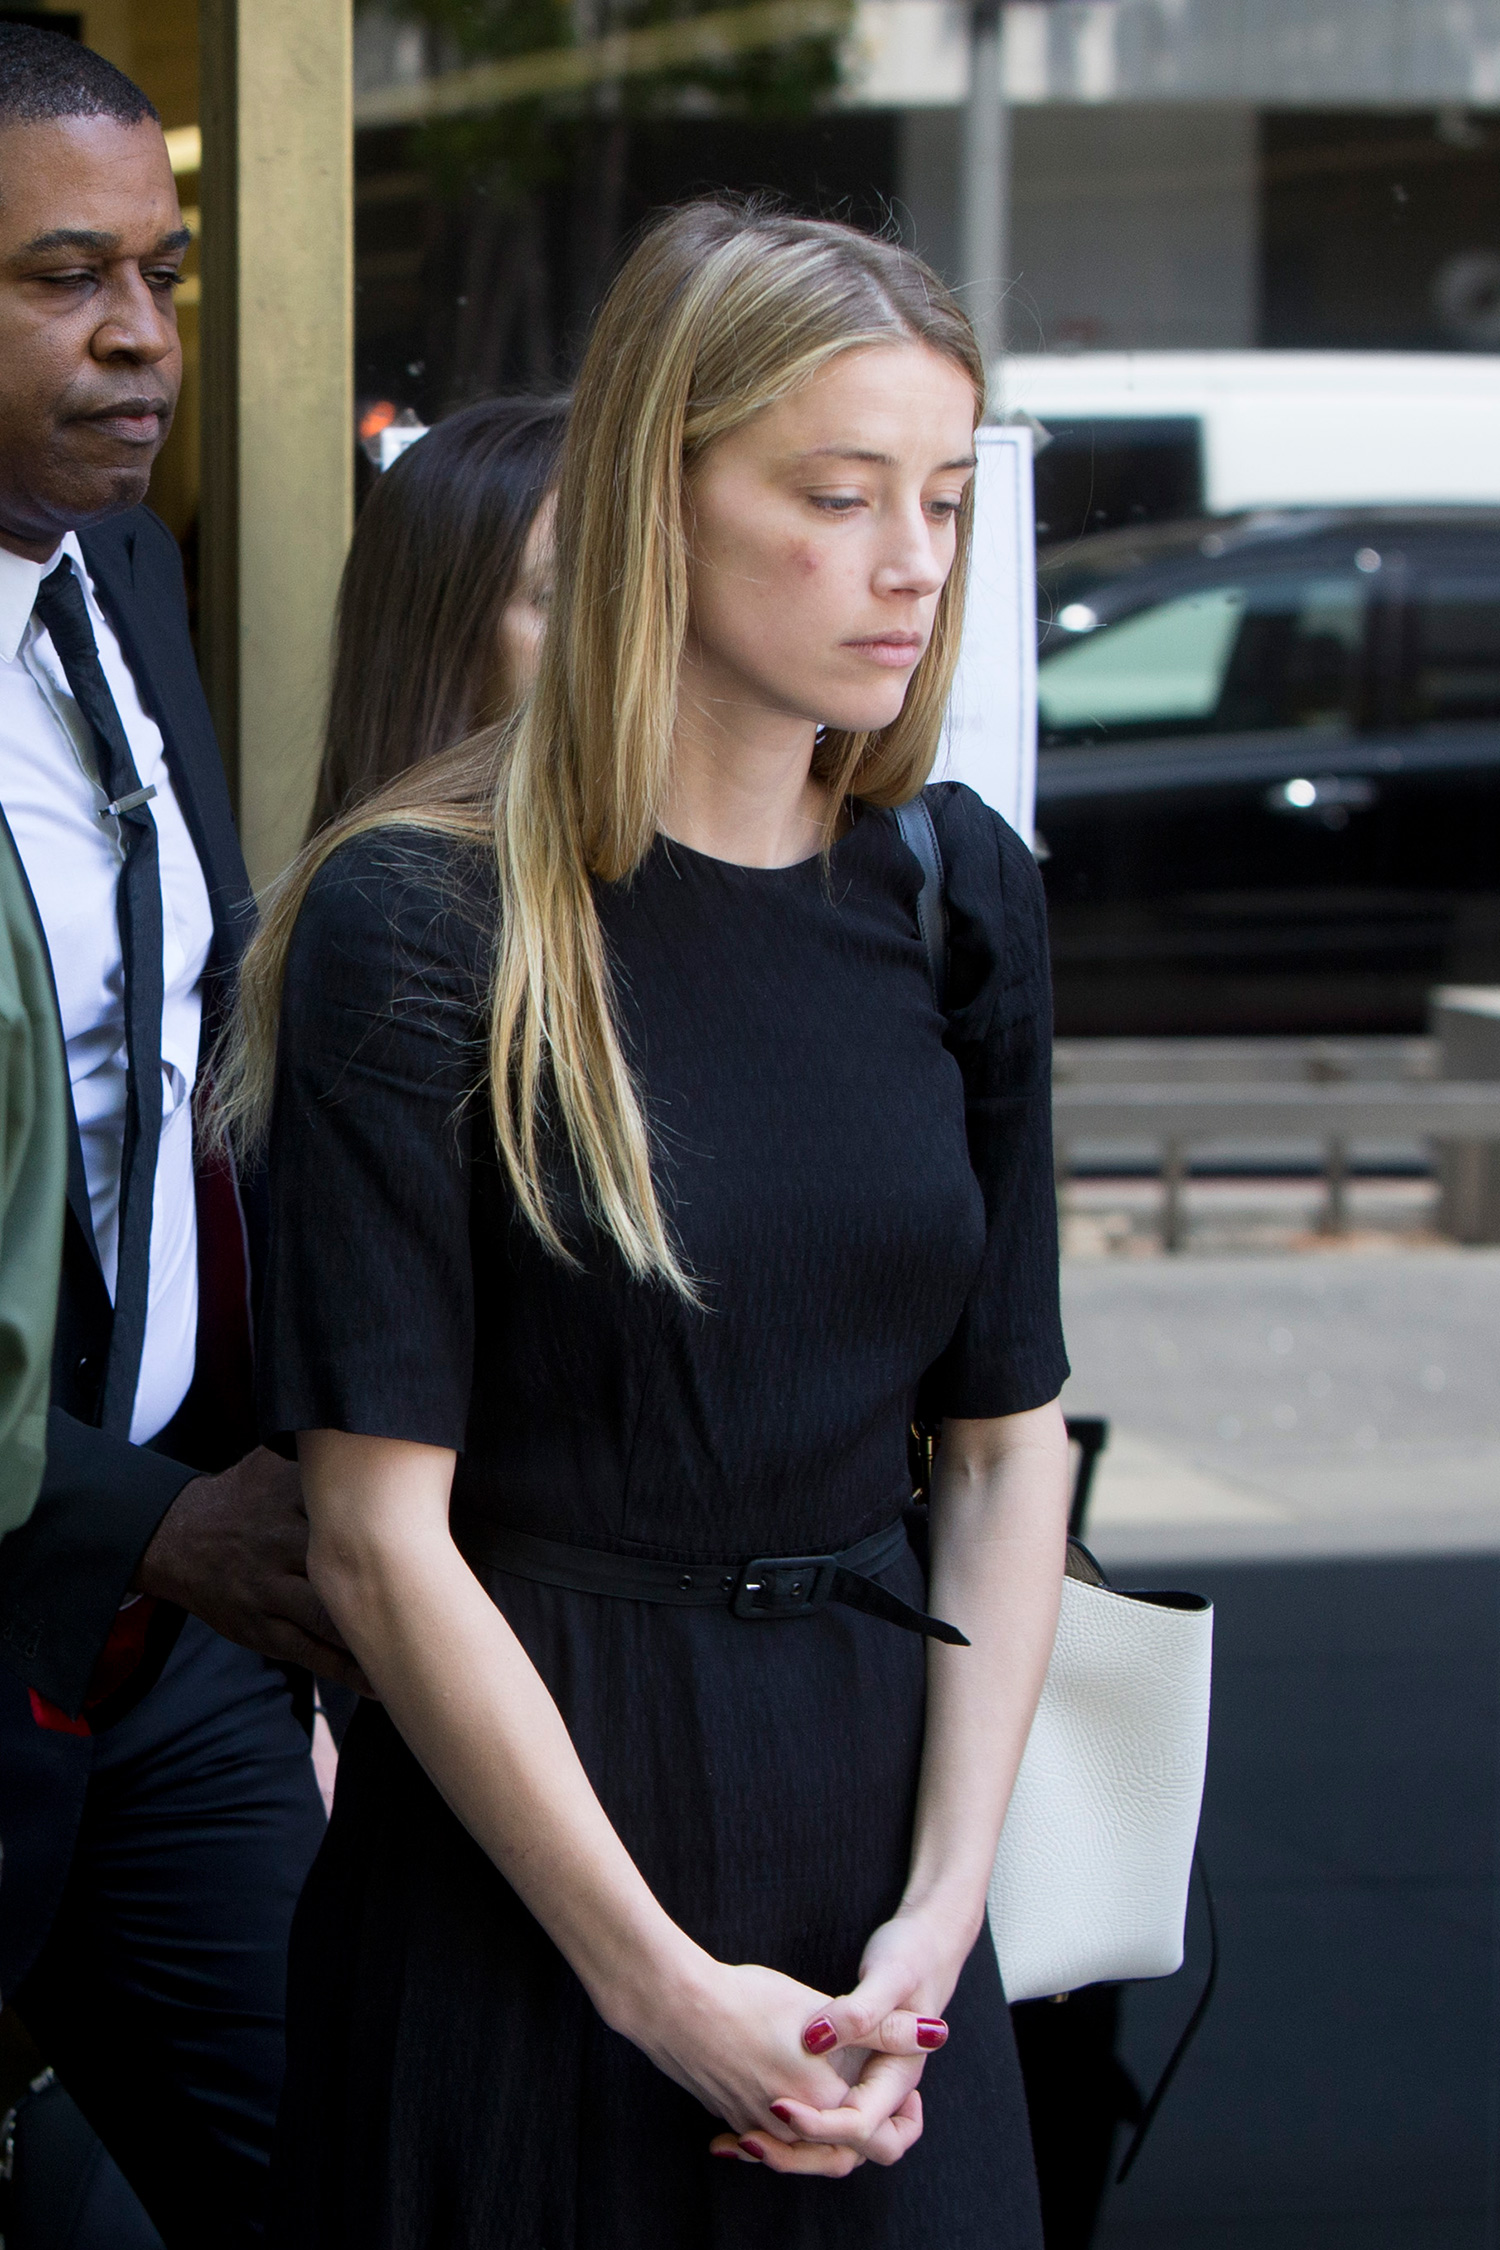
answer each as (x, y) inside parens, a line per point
(629, 1190)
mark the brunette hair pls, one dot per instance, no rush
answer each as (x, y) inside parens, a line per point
(436, 556)
(720, 312)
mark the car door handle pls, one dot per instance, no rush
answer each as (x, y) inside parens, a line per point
(1329, 792)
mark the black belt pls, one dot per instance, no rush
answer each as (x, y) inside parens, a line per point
(769, 1586)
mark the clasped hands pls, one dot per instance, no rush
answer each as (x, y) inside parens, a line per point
(809, 2084)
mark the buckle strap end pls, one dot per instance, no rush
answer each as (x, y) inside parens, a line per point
(857, 1592)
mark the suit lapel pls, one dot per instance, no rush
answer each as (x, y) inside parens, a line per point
(137, 575)
(154, 641)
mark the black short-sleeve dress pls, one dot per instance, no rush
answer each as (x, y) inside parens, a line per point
(864, 1194)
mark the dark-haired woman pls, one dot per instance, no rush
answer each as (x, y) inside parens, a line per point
(444, 595)
(629, 1186)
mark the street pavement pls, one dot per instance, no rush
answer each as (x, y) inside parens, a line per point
(1329, 1402)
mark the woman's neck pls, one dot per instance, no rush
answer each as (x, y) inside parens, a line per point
(742, 787)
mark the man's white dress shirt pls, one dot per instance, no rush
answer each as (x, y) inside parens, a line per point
(52, 799)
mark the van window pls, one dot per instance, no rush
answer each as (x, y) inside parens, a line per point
(1266, 654)
(1107, 470)
(1455, 666)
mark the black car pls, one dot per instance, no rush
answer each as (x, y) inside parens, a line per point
(1268, 786)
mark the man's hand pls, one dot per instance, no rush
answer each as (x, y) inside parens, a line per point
(233, 1550)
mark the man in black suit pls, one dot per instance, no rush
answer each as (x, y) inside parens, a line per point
(158, 1802)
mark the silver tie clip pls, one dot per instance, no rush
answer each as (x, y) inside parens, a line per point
(128, 804)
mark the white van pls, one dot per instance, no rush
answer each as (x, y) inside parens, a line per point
(1274, 429)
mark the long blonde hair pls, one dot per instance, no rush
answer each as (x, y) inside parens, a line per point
(720, 312)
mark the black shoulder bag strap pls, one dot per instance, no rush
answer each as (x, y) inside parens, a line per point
(914, 824)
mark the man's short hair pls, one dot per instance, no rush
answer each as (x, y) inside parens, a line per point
(44, 76)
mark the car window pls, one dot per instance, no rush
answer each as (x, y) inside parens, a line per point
(1455, 656)
(1265, 653)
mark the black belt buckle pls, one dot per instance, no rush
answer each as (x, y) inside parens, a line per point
(784, 1585)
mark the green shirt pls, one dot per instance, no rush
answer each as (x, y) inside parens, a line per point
(33, 1185)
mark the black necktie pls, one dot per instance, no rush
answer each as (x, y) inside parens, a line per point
(60, 607)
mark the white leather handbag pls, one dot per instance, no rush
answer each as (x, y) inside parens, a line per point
(1090, 1882)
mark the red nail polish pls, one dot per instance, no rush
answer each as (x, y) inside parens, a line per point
(727, 2152)
(819, 2037)
(931, 2031)
(750, 2149)
(779, 2109)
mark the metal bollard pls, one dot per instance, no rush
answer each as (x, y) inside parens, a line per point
(1173, 1174)
(1335, 1219)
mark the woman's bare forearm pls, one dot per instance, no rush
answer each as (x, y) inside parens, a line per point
(998, 1530)
(474, 1710)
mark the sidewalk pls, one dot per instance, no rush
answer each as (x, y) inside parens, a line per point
(1333, 1402)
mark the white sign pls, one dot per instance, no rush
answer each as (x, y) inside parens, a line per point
(989, 736)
